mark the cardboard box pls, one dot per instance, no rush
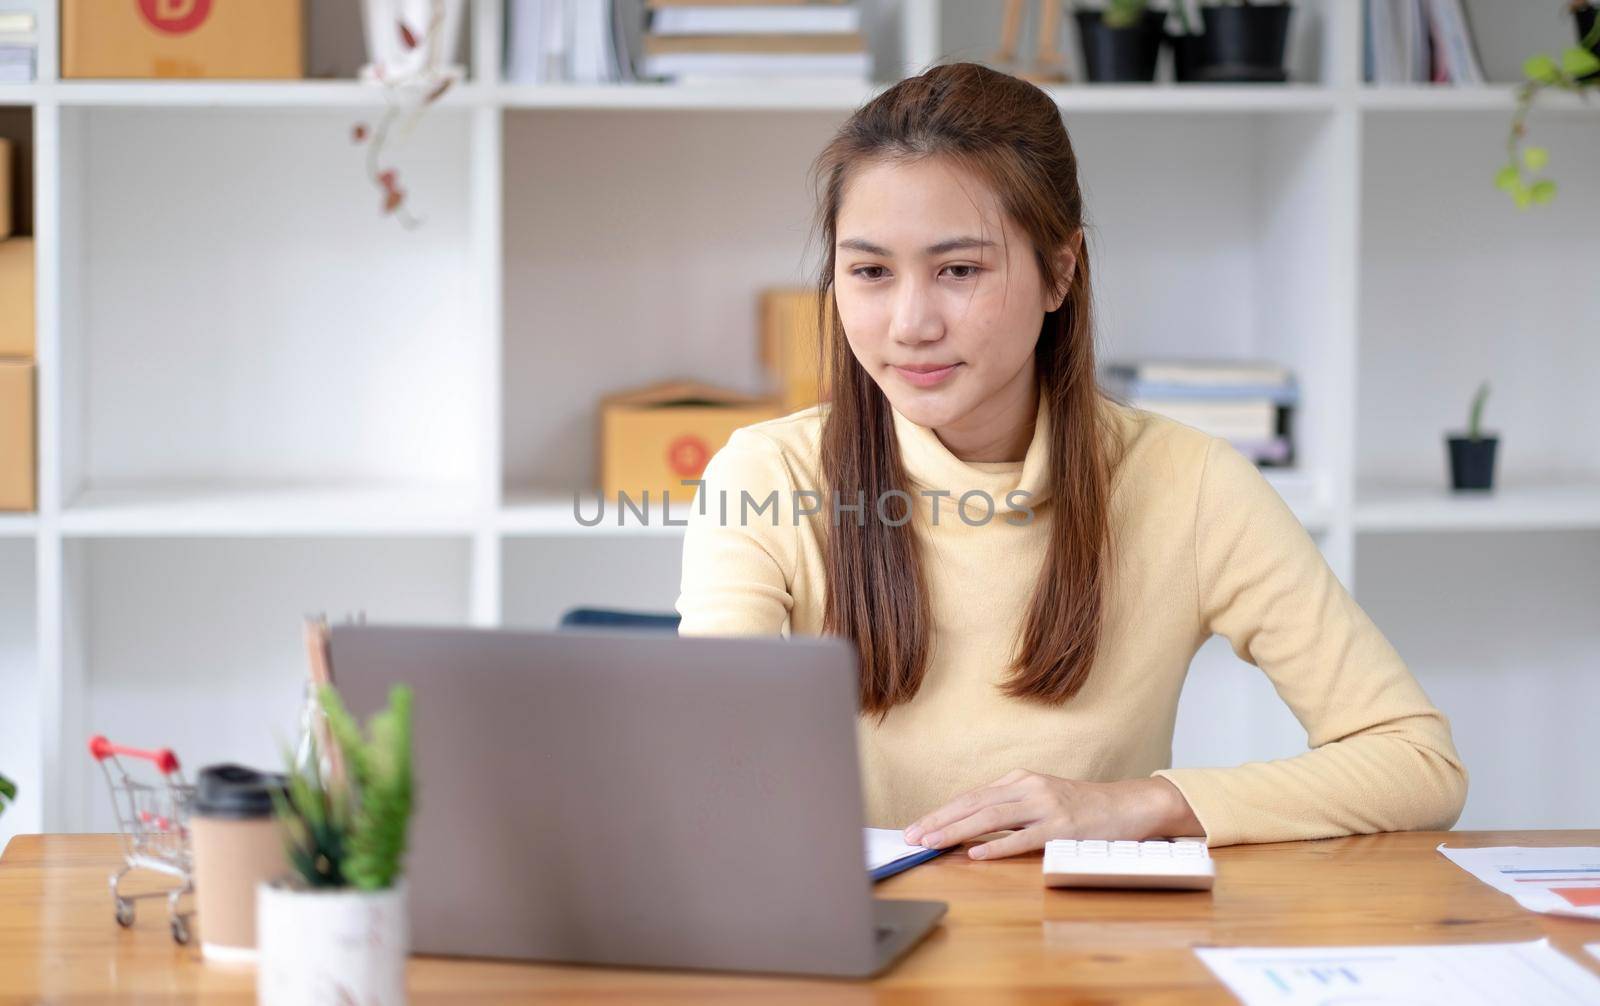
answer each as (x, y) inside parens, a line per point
(789, 347)
(18, 455)
(255, 39)
(16, 297)
(653, 437)
(7, 152)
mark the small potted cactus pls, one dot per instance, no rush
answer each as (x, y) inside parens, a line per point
(1121, 41)
(1472, 453)
(336, 930)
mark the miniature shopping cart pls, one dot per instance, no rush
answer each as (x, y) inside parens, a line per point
(153, 819)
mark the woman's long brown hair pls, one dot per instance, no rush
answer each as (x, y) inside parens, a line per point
(1009, 134)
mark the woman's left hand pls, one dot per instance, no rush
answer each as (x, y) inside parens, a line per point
(1040, 807)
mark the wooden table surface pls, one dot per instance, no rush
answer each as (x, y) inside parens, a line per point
(1006, 938)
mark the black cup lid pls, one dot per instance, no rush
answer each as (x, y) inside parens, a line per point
(233, 791)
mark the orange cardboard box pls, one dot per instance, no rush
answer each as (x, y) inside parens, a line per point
(253, 39)
(17, 451)
(653, 437)
(789, 347)
(7, 151)
(16, 297)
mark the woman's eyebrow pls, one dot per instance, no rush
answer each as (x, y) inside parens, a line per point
(947, 245)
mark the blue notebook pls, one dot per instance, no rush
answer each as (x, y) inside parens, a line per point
(888, 854)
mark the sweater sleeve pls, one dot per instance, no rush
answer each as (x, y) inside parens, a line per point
(739, 555)
(1381, 757)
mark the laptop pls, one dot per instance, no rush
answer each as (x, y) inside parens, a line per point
(626, 798)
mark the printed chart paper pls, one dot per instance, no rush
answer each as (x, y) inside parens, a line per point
(1487, 974)
(1560, 881)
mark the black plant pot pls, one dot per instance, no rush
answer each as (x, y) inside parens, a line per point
(1120, 55)
(1585, 17)
(1188, 56)
(1245, 44)
(1472, 462)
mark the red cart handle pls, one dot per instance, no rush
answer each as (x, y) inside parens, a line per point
(164, 759)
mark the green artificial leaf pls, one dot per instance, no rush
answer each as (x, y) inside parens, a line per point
(1544, 191)
(1541, 68)
(380, 764)
(1536, 158)
(1579, 62)
(1508, 178)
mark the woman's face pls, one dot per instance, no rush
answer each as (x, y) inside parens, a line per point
(940, 295)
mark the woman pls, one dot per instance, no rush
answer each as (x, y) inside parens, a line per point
(1026, 567)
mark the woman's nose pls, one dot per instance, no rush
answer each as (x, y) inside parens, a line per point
(916, 316)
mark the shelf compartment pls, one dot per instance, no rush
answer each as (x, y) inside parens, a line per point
(545, 577)
(1228, 280)
(1499, 629)
(230, 315)
(1458, 286)
(213, 662)
(20, 738)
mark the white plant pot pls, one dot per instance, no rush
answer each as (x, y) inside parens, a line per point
(334, 946)
(385, 49)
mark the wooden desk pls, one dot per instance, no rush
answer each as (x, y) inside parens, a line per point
(1005, 937)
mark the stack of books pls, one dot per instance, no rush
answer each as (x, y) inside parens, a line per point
(1419, 42)
(819, 41)
(571, 41)
(17, 44)
(1248, 403)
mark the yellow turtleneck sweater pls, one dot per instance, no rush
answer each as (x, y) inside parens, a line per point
(1204, 546)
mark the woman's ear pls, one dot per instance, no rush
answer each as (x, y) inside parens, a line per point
(1067, 265)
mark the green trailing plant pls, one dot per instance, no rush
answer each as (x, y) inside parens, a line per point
(1475, 419)
(349, 829)
(1519, 177)
(8, 792)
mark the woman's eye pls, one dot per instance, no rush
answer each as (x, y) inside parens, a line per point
(863, 271)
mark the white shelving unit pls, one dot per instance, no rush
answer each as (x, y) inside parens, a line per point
(258, 398)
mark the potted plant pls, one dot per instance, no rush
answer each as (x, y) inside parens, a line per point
(1188, 46)
(336, 930)
(1121, 42)
(1472, 453)
(1244, 42)
(1578, 71)
(8, 792)
(1585, 15)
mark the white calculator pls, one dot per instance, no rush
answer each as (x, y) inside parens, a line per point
(1181, 865)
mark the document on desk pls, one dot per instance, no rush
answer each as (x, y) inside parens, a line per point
(1556, 881)
(888, 853)
(1484, 974)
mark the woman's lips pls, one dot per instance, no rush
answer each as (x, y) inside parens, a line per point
(925, 378)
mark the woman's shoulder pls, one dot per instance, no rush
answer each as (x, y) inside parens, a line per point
(792, 443)
(1148, 443)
